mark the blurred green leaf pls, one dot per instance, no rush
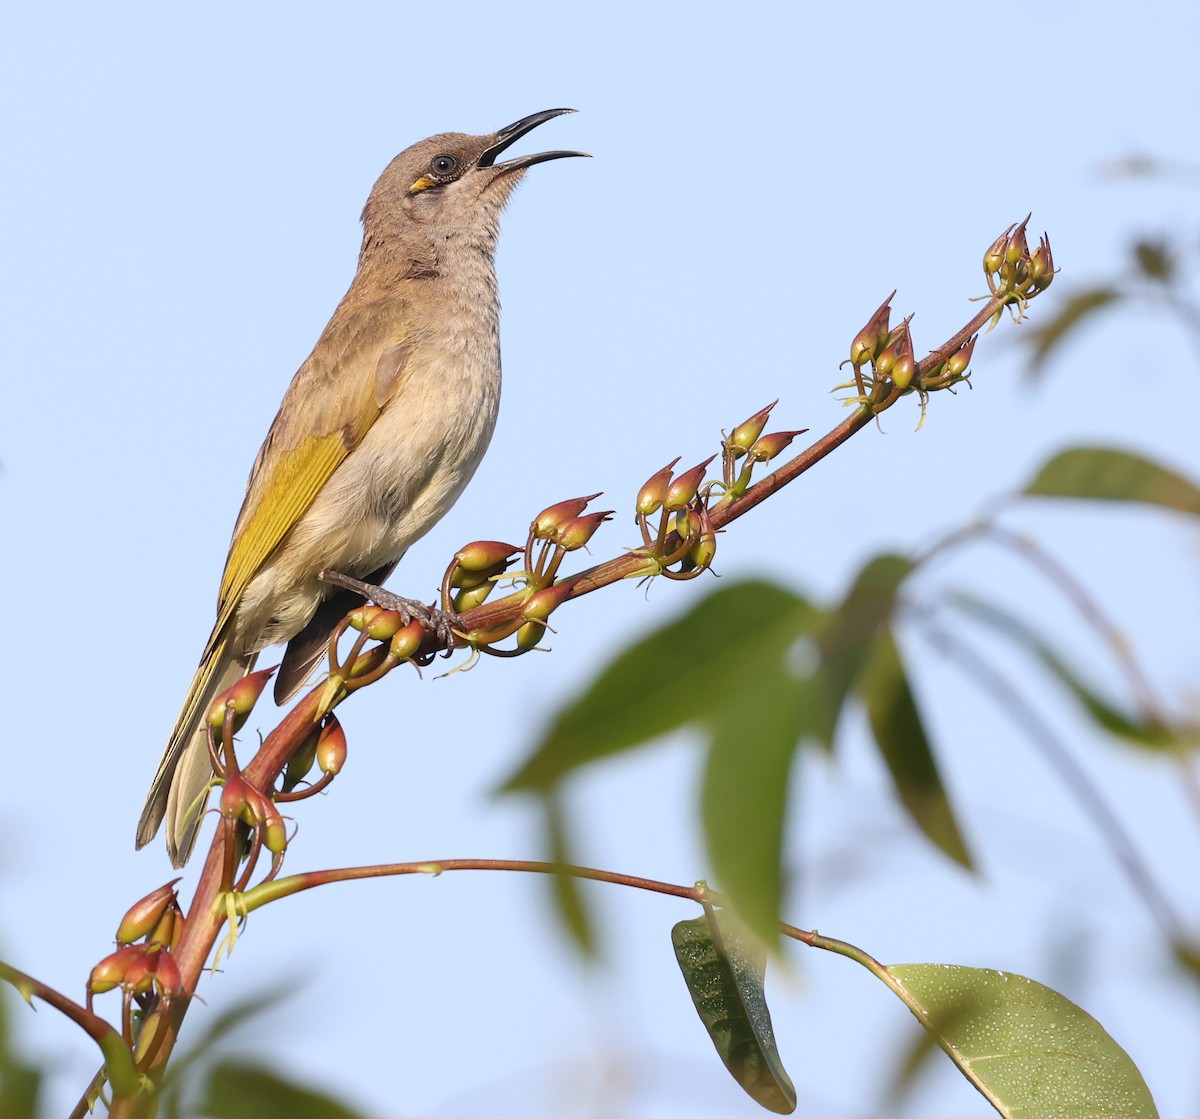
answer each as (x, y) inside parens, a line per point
(845, 638)
(1104, 474)
(723, 967)
(568, 896)
(1032, 1053)
(1147, 734)
(244, 1091)
(20, 1082)
(672, 678)
(900, 736)
(1154, 260)
(745, 792)
(1046, 337)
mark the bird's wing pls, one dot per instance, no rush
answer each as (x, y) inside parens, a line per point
(356, 367)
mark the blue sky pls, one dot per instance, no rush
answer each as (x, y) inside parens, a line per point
(179, 219)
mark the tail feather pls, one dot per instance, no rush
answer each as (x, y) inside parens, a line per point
(176, 791)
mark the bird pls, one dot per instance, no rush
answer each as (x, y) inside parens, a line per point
(378, 434)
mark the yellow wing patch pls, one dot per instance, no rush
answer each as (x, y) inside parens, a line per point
(295, 478)
(356, 368)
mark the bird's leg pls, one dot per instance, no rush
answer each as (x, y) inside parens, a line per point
(441, 623)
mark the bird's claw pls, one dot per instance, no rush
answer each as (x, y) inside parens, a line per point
(441, 623)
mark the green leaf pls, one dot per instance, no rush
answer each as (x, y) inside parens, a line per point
(568, 897)
(846, 637)
(745, 792)
(20, 1082)
(1155, 260)
(723, 967)
(1032, 1053)
(1045, 338)
(1105, 474)
(900, 736)
(244, 1091)
(1147, 734)
(670, 679)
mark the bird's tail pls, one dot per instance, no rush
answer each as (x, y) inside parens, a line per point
(177, 791)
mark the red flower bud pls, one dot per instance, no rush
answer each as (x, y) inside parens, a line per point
(650, 496)
(154, 970)
(771, 445)
(376, 622)
(541, 604)
(244, 695)
(961, 358)
(579, 530)
(235, 795)
(1017, 247)
(993, 259)
(406, 642)
(868, 341)
(483, 555)
(143, 915)
(684, 488)
(110, 972)
(547, 523)
(748, 431)
(331, 747)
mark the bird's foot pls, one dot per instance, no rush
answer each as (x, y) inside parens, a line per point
(441, 623)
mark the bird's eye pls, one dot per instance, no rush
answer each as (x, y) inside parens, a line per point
(443, 165)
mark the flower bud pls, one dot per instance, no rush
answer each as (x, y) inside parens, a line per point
(905, 364)
(483, 555)
(274, 831)
(705, 548)
(1017, 247)
(331, 747)
(234, 797)
(684, 488)
(145, 914)
(530, 634)
(746, 433)
(541, 604)
(300, 762)
(993, 259)
(154, 970)
(110, 972)
(868, 341)
(368, 661)
(579, 530)
(470, 597)
(407, 642)
(376, 622)
(650, 496)
(961, 358)
(547, 523)
(1041, 265)
(244, 695)
(261, 814)
(771, 445)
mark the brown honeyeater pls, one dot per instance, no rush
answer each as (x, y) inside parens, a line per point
(379, 432)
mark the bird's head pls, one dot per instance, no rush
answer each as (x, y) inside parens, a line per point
(449, 189)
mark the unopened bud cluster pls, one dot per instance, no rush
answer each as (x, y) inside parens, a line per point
(746, 447)
(885, 364)
(142, 965)
(1014, 272)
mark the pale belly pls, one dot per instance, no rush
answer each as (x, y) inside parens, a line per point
(389, 491)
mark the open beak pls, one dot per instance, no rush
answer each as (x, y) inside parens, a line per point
(510, 135)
